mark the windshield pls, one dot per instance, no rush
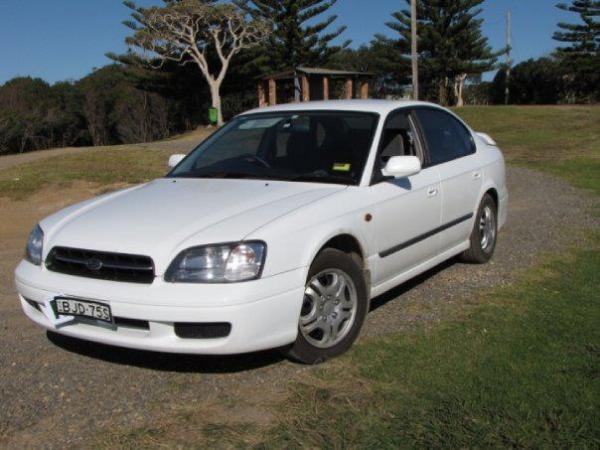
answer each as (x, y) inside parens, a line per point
(326, 146)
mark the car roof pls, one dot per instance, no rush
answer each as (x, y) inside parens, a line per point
(382, 107)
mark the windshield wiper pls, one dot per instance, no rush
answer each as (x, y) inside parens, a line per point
(240, 175)
(310, 177)
(223, 175)
(335, 179)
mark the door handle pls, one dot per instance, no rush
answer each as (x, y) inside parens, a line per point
(476, 175)
(432, 192)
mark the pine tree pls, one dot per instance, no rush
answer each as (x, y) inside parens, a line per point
(451, 45)
(294, 43)
(581, 57)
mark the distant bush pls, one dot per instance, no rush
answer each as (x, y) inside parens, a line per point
(35, 115)
(535, 81)
(113, 105)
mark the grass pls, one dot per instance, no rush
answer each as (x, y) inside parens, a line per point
(517, 367)
(550, 134)
(103, 166)
(520, 369)
(562, 140)
(127, 164)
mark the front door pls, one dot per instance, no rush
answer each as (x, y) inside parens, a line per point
(406, 210)
(403, 220)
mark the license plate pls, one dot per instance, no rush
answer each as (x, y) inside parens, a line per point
(82, 308)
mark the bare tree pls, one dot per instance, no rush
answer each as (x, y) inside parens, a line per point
(191, 32)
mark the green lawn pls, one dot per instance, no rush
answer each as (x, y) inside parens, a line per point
(104, 166)
(562, 140)
(520, 369)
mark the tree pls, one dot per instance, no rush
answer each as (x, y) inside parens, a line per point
(293, 42)
(35, 115)
(192, 31)
(117, 111)
(581, 57)
(451, 45)
(474, 55)
(535, 81)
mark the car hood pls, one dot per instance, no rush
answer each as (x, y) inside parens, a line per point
(165, 216)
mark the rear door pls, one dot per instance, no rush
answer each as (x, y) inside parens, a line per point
(451, 149)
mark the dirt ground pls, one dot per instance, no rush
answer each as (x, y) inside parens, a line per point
(57, 392)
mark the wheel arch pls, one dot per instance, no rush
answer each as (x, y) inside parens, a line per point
(493, 192)
(349, 243)
(346, 243)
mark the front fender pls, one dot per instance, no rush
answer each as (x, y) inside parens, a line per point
(294, 240)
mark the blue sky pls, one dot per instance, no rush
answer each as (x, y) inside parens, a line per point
(65, 39)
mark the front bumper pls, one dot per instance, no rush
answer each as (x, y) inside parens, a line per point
(263, 313)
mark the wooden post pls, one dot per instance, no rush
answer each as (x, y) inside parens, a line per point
(272, 92)
(262, 95)
(305, 87)
(325, 88)
(364, 89)
(348, 89)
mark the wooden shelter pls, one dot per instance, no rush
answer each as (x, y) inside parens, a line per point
(311, 83)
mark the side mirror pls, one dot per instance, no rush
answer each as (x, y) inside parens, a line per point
(401, 166)
(175, 159)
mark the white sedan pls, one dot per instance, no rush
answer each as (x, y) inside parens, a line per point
(276, 231)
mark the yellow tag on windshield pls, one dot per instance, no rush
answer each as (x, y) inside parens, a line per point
(342, 167)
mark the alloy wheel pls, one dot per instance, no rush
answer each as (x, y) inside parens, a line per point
(487, 228)
(329, 308)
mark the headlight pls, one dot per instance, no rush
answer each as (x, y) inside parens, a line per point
(33, 251)
(220, 263)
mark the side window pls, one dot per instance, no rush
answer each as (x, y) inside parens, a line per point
(447, 138)
(398, 138)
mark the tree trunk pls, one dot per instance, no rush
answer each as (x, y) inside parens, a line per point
(459, 85)
(215, 94)
(443, 91)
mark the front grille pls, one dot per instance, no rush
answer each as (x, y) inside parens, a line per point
(101, 265)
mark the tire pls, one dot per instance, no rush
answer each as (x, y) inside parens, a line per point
(484, 233)
(332, 271)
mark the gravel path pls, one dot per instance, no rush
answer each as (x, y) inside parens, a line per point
(54, 390)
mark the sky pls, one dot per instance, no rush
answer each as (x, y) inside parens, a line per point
(65, 39)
